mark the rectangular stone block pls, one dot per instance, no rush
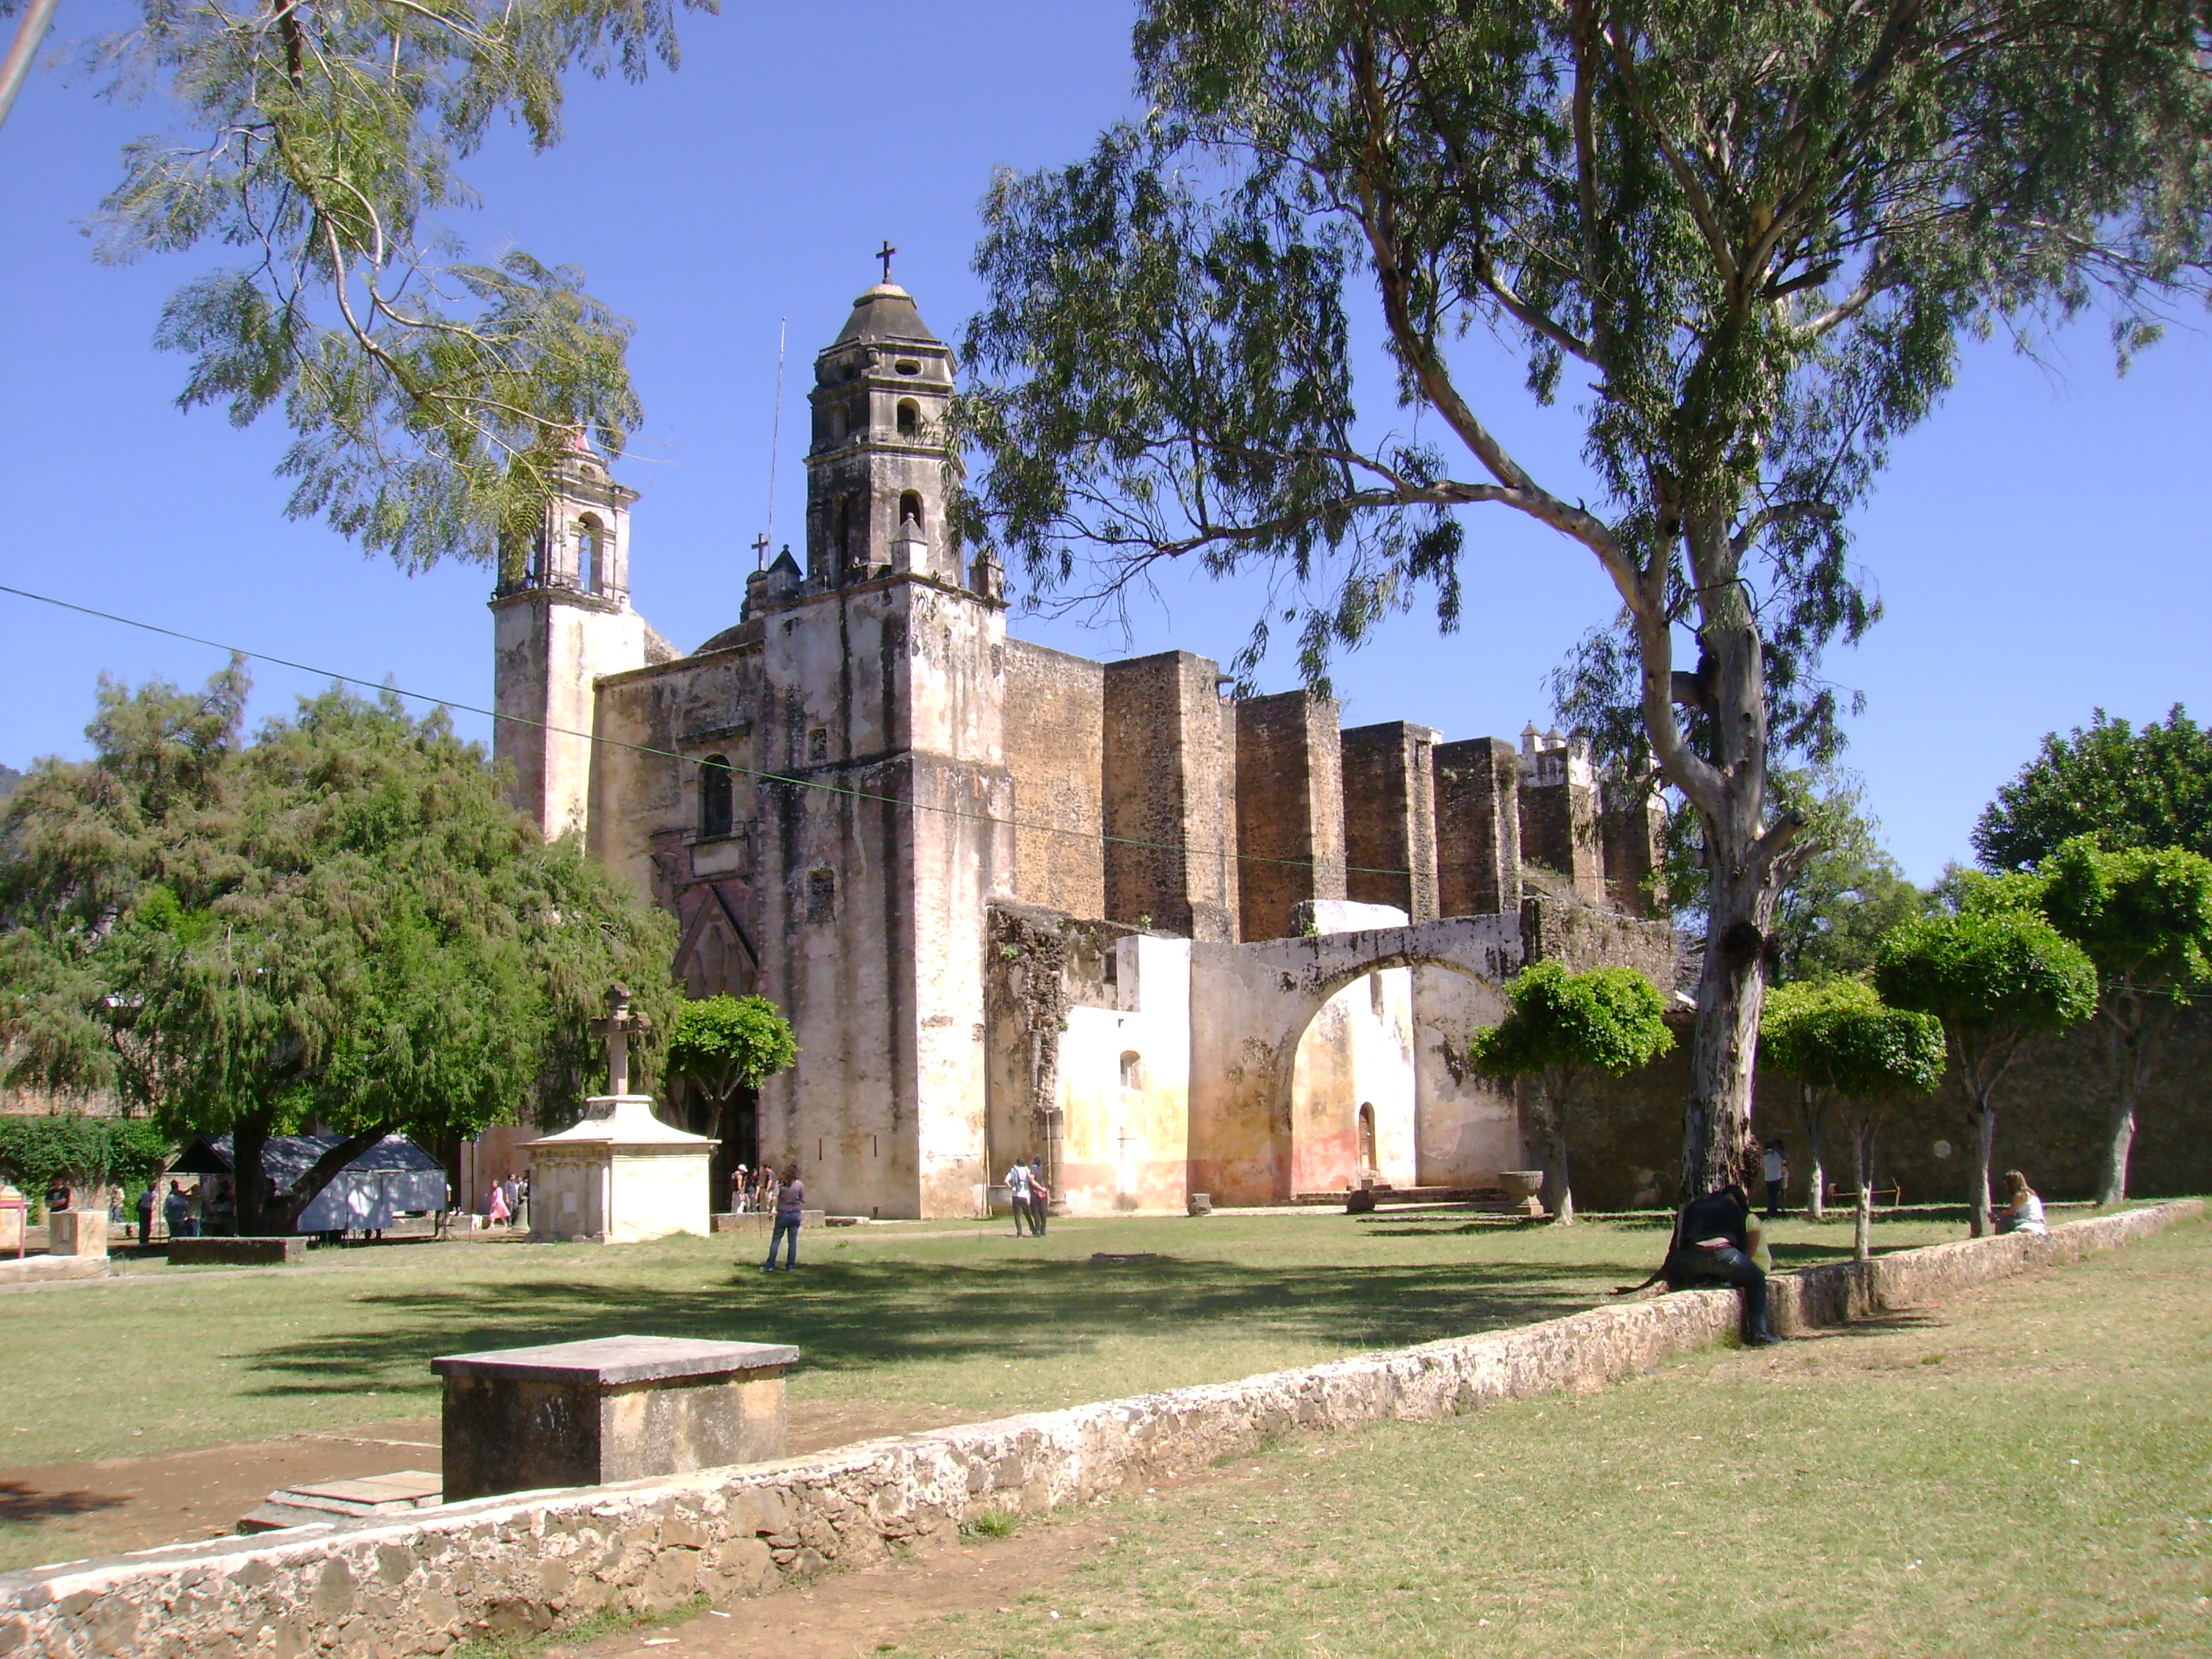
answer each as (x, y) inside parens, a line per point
(1390, 817)
(274, 1252)
(614, 1409)
(1290, 808)
(77, 1232)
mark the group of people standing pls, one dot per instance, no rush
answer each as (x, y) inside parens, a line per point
(1031, 1197)
(753, 1192)
(510, 1202)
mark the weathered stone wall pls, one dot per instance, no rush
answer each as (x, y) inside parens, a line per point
(1056, 737)
(1560, 819)
(1290, 808)
(1390, 817)
(1467, 1127)
(2050, 1125)
(1356, 1056)
(506, 1567)
(1477, 828)
(1170, 792)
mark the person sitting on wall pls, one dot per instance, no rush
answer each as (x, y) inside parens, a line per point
(58, 1197)
(2023, 1210)
(1712, 1244)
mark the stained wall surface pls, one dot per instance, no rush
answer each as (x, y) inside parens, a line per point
(1356, 1056)
(1055, 749)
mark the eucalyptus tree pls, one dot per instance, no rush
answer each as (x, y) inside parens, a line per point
(428, 394)
(1562, 1029)
(341, 922)
(2144, 917)
(1742, 241)
(1995, 975)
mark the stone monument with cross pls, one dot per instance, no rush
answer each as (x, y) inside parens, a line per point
(621, 1176)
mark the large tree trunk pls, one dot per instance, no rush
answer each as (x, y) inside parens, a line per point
(249, 1187)
(1716, 1127)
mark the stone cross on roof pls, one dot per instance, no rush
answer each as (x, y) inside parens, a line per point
(615, 1029)
(884, 254)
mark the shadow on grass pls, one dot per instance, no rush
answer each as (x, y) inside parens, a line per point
(856, 1315)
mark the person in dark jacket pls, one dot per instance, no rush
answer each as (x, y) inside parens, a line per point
(1712, 1245)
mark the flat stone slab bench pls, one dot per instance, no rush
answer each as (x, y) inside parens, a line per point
(614, 1409)
(237, 1252)
(344, 1500)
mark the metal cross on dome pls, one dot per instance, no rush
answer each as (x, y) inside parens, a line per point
(884, 254)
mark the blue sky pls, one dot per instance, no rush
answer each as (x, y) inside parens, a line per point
(2041, 542)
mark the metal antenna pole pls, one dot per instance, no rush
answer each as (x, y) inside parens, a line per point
(16, 68)
(775, 443)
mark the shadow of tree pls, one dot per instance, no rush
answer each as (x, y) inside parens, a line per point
(855, 1315)
(18, 1502)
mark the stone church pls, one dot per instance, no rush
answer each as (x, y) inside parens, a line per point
(1018, 904)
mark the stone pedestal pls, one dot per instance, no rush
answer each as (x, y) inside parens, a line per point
(77, 1232)
(616, 1408)
(618, 1177)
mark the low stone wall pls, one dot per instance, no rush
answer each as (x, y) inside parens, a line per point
(37, 1269)
(417, 1583)
(218, 1249)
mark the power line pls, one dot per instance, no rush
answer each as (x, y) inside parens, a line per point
(819, 785)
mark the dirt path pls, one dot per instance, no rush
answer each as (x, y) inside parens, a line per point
(124, 1504)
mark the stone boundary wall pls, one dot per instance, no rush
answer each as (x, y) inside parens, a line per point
(384, 1589)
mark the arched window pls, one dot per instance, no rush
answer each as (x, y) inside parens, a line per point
(1367, 1159)
(910, 418)
(910, 509)
(590, 555)
(717, 804)
(1133, 1069)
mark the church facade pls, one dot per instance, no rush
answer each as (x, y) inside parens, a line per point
(1019, 904)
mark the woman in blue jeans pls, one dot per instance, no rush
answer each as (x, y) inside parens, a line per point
(790, 1205)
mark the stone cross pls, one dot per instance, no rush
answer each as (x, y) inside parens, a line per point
(884, 254)
(615, 1029)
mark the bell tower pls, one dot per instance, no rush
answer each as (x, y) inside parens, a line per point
(560, 622)
(875, 468)
(886, 807)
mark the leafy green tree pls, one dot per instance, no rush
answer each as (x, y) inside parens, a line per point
(2144, 917)
(2128, 787)
(1839, 1040)
(1561, 1028)
(341, 924)
(429, 395)
(723, 1043)
(87, 1152)
(1994, 977)
(1745, 240)
(1789, 1010)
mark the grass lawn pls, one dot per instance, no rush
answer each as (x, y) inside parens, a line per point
(959, 1319)
(2025, 1472)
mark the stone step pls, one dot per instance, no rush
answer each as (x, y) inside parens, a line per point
(345, 1500)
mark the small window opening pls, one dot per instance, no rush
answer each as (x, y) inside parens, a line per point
(818, 746)
(1113, 966)
(909, 418)
(590, 555)
(907, 366)
(1133, 1069)
(717, 806)
(821, 894)
(910, 509)
(1366, 1136)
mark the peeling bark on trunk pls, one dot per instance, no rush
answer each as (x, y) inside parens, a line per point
(1716, 1127)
